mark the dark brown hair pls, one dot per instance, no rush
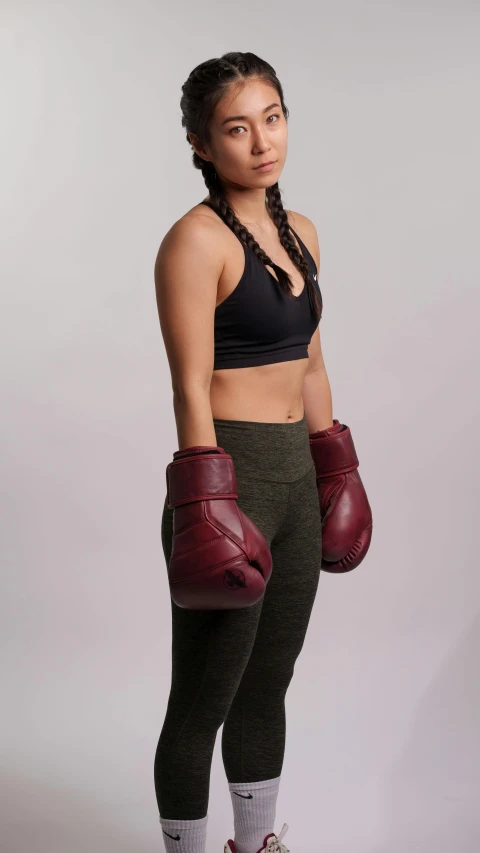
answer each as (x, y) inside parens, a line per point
(201, 93)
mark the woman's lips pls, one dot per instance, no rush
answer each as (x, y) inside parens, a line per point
(265, 168)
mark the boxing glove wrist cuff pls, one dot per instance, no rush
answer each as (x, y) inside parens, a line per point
(196, 449)
(199, 477)
(331, 430)
(333, 454)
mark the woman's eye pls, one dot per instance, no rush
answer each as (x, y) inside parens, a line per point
(239, 126)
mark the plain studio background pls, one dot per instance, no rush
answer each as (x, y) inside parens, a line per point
(383, 711)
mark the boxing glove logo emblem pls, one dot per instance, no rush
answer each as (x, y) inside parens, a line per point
(234, 579)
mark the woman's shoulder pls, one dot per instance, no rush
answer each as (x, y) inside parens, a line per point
(197, 218)
(307, 232)
(198, 224)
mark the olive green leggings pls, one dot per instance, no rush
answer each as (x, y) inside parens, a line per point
(233, 667)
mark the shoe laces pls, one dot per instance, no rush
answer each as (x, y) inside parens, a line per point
(275, 845)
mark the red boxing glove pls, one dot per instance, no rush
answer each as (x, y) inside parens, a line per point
(220, 558)
(344, 507)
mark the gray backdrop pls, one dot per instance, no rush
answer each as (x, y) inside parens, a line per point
(383, 712)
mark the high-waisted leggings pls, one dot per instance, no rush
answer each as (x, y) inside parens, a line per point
(233, 667)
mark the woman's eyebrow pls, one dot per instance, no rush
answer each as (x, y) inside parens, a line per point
(244, 118)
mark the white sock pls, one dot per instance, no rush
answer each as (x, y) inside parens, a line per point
(253, 815)
(189, 836)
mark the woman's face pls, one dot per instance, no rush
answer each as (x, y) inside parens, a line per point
(248, 128)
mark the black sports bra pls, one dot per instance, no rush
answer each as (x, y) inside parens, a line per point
(258, 324)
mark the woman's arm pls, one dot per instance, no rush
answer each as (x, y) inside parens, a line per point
(187, 270)
(317, 395)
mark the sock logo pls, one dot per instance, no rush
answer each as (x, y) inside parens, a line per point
(175, 837)
(244, 796)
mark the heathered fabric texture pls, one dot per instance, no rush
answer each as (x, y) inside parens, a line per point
(233, 667)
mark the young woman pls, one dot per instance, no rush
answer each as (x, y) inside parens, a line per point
(260, 460)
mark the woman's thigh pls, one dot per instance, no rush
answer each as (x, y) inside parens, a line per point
(291, 591)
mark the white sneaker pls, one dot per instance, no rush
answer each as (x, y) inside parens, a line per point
(271, 843)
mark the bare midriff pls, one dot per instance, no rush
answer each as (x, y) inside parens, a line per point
(268, 392)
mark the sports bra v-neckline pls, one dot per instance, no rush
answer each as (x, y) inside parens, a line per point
(246, 246)
(256, 323)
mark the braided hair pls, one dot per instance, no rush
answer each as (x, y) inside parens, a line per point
(201, 93)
